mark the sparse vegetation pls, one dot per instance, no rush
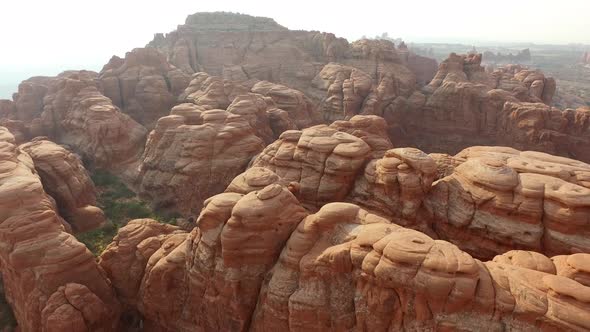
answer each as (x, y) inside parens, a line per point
(7, 320)
(120, 205)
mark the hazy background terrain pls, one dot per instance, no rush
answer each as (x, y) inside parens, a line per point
(47, 37)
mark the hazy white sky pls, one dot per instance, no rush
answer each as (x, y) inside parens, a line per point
(42, 36)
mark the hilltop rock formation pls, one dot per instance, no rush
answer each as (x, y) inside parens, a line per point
(341, 268)
(585, 58)
(525, 84)
(72, 111)
(262, 50)
(286, 107)
(143, 85)
(301, 158)
(464, 106)
(503, 199)
(195, 153)
(51, 280)
(65, 179)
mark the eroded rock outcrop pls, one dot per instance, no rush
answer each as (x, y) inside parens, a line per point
(379, 276)
(50, 278)
(341, 268)
(248, 49)
(498, 199)
(192, 156)
(144, 85)
(465, 106)
(72, 111)
(323, 160)
(65, 179)
(78, 115)
(213, 274)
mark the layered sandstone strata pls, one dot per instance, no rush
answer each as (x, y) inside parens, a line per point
(51, 280)
(66, 180)
(195, 153)
(341, 268)
(464, 106)
(143, 84)
(71, 110)
(498, 199)
(248, 49)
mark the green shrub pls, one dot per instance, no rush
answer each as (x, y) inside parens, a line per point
(120, 205)
(7, 320)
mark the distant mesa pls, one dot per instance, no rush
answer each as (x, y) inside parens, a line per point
(523, 56)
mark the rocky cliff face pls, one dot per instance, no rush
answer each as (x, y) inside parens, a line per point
(342, 267)
(332, 229)
(144, 85)
(73, 111)
(50, 279)
(244, 49)
(300, 156)
(65, 179)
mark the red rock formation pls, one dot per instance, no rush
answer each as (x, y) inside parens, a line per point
(323, 160)
(379, 276)
(328, 228)
(342, 268)
(71, 110)
(263, 50)
(463, 106)
(144, 85)
(498, 199)
(217, 269)
(299, 108)
(65, 179)
(77, 114)
(188, 160)
(51, 280)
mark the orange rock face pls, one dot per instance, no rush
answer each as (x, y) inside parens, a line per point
(50, 278)
(288, 148)
(144, 85)
(465, 106)
(258, 260)
(189, 158)
(379, 276)
(341, 268)
(502, 199)
(72, 111)
(65, 179)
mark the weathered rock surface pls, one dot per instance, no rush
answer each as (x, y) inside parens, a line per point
(243, 48)
(51, 280)
(72, 111)
(192, 156)
(333, 226)
(78, 115)
(498, 199)
(346, 269)
(464, 106)
(65, 179)
(144, 85)
(299, 108)
(287, 108)
(323, 160)
(216, 270)
(341, 268)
